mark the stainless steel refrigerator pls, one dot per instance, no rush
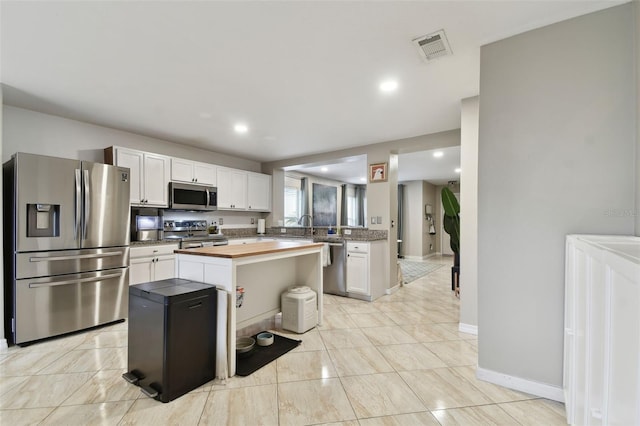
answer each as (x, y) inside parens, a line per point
(66, 245)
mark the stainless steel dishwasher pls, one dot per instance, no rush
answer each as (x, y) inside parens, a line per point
(335, 275)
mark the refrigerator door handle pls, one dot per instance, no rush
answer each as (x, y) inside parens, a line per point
(80, 280)
(78, 213)
(80, 256)
(87, 204)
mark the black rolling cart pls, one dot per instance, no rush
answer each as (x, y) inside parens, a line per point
(172, 337)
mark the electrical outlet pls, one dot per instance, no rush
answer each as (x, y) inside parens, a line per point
(253, 221)
(379, 220)
(283, 230)
(430, 246)
(347, 232)
(221, 221)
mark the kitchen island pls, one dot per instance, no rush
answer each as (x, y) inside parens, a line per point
(264, 270)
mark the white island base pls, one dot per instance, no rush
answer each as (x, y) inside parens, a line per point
(265, 270)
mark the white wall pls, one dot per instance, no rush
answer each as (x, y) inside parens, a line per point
(428, 197)
(34, 132)
(469, 213)
(416, 240)
(412, 228)
(636, 8)
(556, 156)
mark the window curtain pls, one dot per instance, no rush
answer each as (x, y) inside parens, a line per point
(344, 212)
(361, 192)
(304, 201)
(400, 215)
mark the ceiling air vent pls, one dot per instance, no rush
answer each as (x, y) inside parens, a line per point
(432, 46)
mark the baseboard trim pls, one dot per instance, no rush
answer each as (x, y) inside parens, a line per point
(528, 386)
(3, 345)
(419, 258)
(468, 328)
(413, 258)
(393, 289)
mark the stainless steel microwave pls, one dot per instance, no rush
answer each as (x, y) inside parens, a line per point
(185, 196)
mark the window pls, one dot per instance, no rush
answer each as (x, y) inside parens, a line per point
(292, 201)
(355, 203)
(352, 207)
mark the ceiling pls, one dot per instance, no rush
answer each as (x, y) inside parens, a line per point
(422, 165)
(303, 76)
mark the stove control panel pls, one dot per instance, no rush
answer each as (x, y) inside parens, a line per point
(185, 225)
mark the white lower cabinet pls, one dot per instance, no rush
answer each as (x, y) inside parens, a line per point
(152, 263)
(366, 269)
(357, 270)
(602, 330)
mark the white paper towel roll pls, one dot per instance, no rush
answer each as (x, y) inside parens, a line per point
(260, 226)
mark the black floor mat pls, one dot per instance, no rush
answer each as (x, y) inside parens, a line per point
(263, 355)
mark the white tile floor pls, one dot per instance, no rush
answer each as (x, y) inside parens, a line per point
(397, 361)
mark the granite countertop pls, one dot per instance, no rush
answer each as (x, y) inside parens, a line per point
(316, 238)
(151, 243)
(246, 250)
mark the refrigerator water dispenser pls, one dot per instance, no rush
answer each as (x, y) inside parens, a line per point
(43, 220)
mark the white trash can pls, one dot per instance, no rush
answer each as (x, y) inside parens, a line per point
(299, 309)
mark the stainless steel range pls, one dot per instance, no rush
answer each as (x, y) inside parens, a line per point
(192, 234)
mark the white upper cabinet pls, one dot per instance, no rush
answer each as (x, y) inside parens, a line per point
(149, 175)
(156, 180)
(193, 172)
(232, 188)
(258, 192)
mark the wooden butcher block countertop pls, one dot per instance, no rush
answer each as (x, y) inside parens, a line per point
(253, 249)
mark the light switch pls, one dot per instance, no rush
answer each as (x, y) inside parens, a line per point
(379, 220)
(373, 220)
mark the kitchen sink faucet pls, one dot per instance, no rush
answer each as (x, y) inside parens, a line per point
(310, 221)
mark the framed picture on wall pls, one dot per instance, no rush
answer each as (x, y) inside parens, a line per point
(378, 172)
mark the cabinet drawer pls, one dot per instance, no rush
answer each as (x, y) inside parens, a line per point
(154, 250)
(358, 247)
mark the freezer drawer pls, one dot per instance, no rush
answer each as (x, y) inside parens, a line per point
(46, 307)
(43, 264)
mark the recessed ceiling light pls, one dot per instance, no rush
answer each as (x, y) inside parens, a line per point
(241, 128)
(363, 179)
(388, 86)
(458, 170)
(438, 154)
(324, 169)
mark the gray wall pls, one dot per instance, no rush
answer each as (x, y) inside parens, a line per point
(556, 156)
